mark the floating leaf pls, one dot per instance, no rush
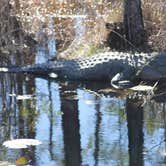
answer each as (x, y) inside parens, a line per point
(12, 95)
(4, 163)
(21, 161)
(53, 75)
(24, 97)
(59, 113)
(163, 152)
(72, 97)
(21, 97)
(21, 143)
(4, 69)
(142, 88)
(91, 102)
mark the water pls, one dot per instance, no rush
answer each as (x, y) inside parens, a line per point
(78, 127)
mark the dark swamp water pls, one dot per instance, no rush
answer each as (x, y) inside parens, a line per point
(77, 124)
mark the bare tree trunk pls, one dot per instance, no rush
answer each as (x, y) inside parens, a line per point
(133, 22)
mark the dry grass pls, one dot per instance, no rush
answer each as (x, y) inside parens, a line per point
(37, 15)
(13, 40)
(155, 22)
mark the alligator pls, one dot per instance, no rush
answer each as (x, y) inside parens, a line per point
(109, 66)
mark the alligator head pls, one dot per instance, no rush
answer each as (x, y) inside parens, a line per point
(155, 69)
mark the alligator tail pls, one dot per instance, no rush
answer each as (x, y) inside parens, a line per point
(29, 69)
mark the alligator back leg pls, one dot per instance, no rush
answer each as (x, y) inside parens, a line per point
(124, 79)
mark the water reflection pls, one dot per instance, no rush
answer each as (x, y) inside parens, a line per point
(71, 126)
(78, 127)
(134, 110)
(97, 132)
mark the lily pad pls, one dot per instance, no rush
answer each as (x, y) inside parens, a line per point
(21, 143)
(91, 102)
(4, 163)
(142, 88)
(163, 152)
(21, 161)
(24, 97)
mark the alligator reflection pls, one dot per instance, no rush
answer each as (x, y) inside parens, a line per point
(78, 125)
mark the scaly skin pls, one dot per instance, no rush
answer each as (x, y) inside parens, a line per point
(103, 66)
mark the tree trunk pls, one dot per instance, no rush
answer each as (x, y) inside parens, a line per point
(133, 22)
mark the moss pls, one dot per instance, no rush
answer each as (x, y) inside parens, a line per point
(88, 50)
(94, 49)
